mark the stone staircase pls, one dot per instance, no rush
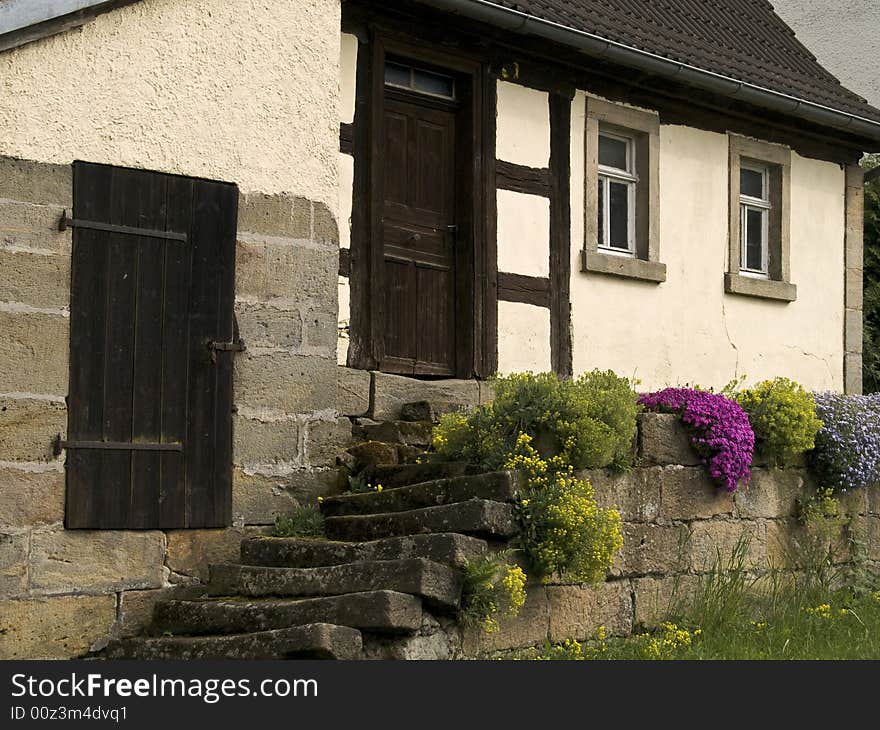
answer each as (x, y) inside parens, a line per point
(390, 570)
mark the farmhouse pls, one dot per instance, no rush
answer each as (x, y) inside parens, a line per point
(228, 228)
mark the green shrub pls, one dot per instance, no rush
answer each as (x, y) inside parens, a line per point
(564, 531)
(491, 588)
(783, 417)
(590, 422)
(305, 521)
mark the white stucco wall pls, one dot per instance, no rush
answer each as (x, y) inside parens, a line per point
(687, 330)
(523, 338)
(522, 125)
(523, 232)
(233, 90)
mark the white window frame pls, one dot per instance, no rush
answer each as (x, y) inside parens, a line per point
(763, 206)
(607, 175)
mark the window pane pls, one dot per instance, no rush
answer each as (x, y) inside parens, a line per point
(755, 239)
(434, 84)
(751, 183)
(612, 153)
(397, 75)
(618, 209)
(601, 212)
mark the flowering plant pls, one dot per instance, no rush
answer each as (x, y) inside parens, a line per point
(847, 453)
(719, 429)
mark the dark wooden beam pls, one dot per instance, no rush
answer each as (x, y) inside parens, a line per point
(346, 138)
(560, 235)
(345, 262)
(533, 290)
(522, 179)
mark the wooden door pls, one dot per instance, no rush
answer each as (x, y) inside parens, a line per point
(150, 395)
(419, 236)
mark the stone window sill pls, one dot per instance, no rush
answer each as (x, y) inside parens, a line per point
(623, 266)
(781, 291)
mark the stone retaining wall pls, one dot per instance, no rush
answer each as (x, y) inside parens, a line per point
(676, 527)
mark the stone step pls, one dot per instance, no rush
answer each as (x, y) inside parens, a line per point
(478, 517)
(408, 433)
(438, 584)
(500, 486)
(287, 552)
(384, 612)
(312, 641)
(430, 410)
(402, 475)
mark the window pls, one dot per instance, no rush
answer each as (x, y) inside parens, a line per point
(400, 76)
(760, 197)
(617, 194)
(754, 217)
(622, 192)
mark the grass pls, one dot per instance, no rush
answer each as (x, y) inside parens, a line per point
(304, 521)
(735, 615)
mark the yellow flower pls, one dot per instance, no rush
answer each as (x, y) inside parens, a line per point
(320, 499)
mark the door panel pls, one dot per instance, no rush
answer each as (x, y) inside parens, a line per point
(418, 238)
(149, 425)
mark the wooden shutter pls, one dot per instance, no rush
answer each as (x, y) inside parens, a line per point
(150, 403)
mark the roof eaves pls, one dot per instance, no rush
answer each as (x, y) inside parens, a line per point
(594, 45)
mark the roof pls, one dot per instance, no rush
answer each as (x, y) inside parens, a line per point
(743, 39)
(734, 40)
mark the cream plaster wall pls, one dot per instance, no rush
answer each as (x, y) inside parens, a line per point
(343, 337)
(348, 48)
(523, 125)
(687, 330)
(236, 90)
(523, 338)
(523, 234)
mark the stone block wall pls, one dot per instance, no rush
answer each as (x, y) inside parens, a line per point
(63, 591)
(676, 527)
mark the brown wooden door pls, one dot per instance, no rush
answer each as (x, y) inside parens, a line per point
(419, 236)
(150, 404)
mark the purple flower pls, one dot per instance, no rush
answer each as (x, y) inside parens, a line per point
(719, 430)
(847, 453)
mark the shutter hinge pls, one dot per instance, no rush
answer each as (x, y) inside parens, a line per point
(214, 346)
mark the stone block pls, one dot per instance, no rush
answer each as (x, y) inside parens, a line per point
(374, 453)
(86, 561)
(487, 393)
(659, 599)
(325, 440)
(31, 497)
(866, 530)
(530, 627)
(268, 327)
(787, 542)
(35, 227)
(391, 392)
(14, 548)
(853, 330)
(33, 353)
(320, 330)
(288, 271)
(770, 493)
(325, 227)
(135, 612)
(29, 428)
(872, 499)
(854, 292)
(265, 442)
(577, 611)
(275, 215)
(55, 628)
(191, 551)
(36, 182)
(307, 485)
(258, 499)
(285, 382)
(352, 391)
(722, 544)
(34, 279)
(635, 494)
(649, 548)
(853, 502)
(852, 373)
(663, 440)
(687, 493)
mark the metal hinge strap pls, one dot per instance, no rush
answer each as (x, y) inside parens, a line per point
(66, 223)
(120, 446)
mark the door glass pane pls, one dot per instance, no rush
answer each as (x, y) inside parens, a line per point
(755, 239)
(434, 84)
(601, 229)
(612, 153)
(397, 75)
(751, 183)
(618, 208)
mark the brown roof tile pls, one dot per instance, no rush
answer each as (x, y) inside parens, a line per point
(740, 39)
